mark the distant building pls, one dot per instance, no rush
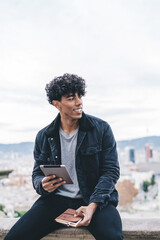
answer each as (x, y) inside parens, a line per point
(148, 153)
(130, 154)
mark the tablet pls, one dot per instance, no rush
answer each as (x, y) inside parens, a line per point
(59, 170)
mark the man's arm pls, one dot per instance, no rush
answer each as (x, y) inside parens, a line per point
(43, 185)
(109, 169)
(109, 174)
(37, 175)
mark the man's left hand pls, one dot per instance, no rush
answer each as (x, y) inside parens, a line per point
(87, 213)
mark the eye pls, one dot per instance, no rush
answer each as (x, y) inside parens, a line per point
(71, 99)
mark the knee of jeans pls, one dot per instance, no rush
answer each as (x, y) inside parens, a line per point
(7, 237)
(10, 237)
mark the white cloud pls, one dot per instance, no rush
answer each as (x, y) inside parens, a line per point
(114, 45)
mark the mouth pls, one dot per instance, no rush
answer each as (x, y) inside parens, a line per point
(78, 110)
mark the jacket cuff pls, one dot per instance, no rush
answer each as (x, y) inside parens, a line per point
(101, 202)
(38, 186)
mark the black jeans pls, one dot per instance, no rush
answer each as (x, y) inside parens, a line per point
(39, 220)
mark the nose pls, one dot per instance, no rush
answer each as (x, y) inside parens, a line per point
(78, 100)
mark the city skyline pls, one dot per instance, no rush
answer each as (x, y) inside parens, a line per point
(113, 45)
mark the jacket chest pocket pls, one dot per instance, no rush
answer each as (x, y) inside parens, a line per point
(90, 155)
(89, 151)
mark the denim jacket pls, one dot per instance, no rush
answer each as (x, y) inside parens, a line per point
(97, 165)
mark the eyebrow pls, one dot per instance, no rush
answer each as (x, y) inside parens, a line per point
(70, 95)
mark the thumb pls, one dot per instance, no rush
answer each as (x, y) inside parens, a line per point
(78, 212)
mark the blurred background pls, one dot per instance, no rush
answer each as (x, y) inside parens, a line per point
(114, 46)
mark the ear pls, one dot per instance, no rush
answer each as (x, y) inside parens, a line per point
(56, 103)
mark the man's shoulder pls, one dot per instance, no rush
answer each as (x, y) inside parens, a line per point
(96, 120)
(50, 128)
(41, 132)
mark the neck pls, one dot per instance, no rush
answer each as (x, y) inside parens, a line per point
(69, 126)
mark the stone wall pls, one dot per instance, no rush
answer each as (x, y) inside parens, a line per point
(144, 229)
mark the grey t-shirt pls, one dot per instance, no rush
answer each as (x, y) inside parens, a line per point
(68, 148)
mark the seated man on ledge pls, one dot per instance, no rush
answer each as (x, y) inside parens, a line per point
(86, 146)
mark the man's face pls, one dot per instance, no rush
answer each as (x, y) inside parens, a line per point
(70, 106)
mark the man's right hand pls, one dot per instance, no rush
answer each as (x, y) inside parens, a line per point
(51, 183)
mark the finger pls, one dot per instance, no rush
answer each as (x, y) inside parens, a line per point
(51, 182)
(60, 184)
(55, 181)
(53, 187)
(79, 212)
(46, 179)
(47, 183)
(84, 222)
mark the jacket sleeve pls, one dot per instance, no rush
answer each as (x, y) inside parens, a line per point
(109, 169)
(37, 174)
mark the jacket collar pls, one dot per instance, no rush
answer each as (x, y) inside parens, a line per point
(85, 124)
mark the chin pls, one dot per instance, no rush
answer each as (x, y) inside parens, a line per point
(78, 117)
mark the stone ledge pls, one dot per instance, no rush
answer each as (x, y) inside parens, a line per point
(136, 229)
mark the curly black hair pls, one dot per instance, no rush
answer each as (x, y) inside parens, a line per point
(63, 85)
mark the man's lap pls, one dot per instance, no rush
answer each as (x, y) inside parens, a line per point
(39, 220)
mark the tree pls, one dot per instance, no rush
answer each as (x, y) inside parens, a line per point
(145, 186)
(153, 180)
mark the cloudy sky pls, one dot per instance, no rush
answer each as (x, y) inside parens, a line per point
(114, 45)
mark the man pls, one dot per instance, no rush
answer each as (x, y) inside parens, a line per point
(86, 145)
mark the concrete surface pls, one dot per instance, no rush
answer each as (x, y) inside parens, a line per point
(144, 229)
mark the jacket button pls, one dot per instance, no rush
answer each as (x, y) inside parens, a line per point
(52, 139)
(56, 156)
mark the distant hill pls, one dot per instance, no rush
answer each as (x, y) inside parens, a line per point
(27, 147)
(139, 143)
(22, 148)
